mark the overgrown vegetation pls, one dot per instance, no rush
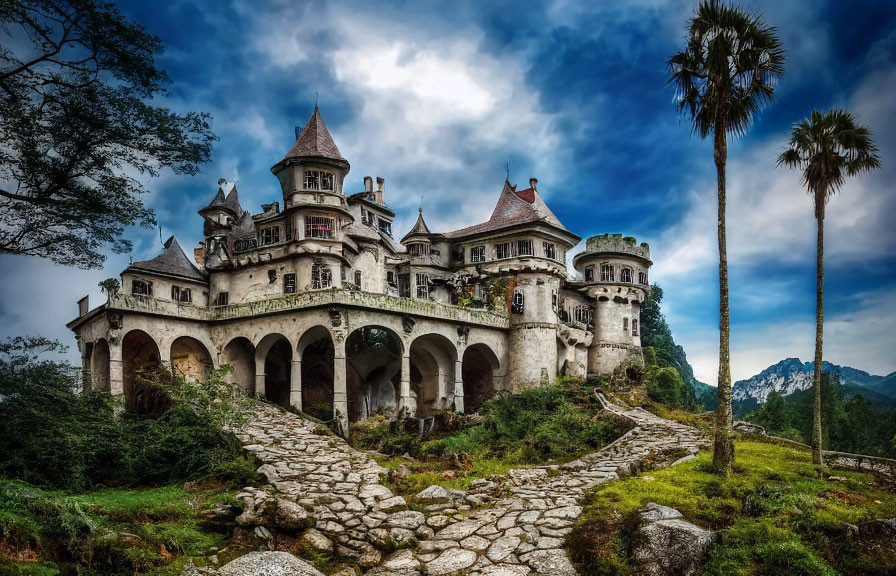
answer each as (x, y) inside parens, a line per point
(54, 439)
(655, 334)
(850, 425)
(774, 513)
(549, 424)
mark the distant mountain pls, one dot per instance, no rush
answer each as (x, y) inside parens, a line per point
(792, 375)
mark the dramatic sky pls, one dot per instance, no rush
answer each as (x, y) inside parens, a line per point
(437, 98)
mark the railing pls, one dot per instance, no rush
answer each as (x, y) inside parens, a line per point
(312, 299)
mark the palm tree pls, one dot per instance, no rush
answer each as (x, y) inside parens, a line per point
(827, 148)
(725, 73)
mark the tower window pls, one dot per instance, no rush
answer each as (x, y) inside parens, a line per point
(607, 274)
(554, 300)
(141, 288)
(642, 278)
(222, 299)
(390, 279)
(318, 180)
(289, 283)
(270, 235)
(625, 324)
(385, 226)
(516, 303)
(423, 286)
(477, 254)
(418, 250)
(320, 277)
(625, 275)
(582, 314)
(634, 327)
(179, 294)
(358, 279)
(525, 248)
(319, 226)
(550, 251)
(589, 274)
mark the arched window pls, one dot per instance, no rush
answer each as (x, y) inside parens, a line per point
(607, 273)
(625, 275)
(516, 304)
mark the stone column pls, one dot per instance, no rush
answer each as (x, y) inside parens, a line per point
(116, 369)
(340, 393)
(458, 387)
(404, 390)
(259, 377)
(295, 385)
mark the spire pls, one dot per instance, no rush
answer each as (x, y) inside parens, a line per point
(420, 228)
(315, 141)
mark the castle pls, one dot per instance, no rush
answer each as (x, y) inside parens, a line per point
(315, 304)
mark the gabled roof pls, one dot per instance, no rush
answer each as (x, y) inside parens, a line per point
(171, 262)
(513, 209)
(420, 228)
(314, 141)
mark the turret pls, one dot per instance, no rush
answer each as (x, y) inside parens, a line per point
(615, 272)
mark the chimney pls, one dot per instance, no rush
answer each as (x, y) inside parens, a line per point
(368, 184)
(199, 255)
(380, 185)
(533, 184)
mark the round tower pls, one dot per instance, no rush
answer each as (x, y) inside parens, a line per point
(615, 270)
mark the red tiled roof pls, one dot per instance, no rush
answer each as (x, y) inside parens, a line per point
(528, 195)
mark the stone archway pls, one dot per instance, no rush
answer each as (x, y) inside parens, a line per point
(479, 367)
(140, 356)
(190, 359)
(239, 354)
(274, 355)
(99, 366)
(316, 352)
(373, 371)
(432, 363)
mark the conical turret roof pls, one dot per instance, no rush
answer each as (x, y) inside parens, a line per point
(171, 262)
(315, 141)
(420, 228)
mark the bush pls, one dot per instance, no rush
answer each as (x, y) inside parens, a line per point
(53, 436)
(666, 386)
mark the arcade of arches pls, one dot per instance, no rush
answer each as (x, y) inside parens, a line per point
(373, 370)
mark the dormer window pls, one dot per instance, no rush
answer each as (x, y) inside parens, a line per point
(625, 275)
(418, 250)
(318, 180)
(270, 235)
(607, 273)
(141, 288)
(319, 226)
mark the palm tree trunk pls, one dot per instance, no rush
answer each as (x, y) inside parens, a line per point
(817, 457)
(723, 446)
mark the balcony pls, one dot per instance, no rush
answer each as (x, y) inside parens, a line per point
(308, 300)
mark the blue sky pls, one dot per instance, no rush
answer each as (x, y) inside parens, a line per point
(436, 97)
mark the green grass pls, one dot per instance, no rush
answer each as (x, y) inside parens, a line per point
(774, 513)
(425, 474)
(107, 531)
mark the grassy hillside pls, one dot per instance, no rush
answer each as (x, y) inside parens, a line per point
(775, 516)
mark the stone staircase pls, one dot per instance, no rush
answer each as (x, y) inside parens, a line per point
(511, 525)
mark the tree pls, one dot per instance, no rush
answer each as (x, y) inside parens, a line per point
(77, 129)
(725, 73)
(827, 148)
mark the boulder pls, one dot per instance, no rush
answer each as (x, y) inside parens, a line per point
(436, 493)
(268, 564)
(665, 544)
(877, 528)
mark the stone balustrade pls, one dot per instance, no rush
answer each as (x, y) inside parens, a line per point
(312, 299)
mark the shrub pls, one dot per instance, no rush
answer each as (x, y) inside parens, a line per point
(666, 386)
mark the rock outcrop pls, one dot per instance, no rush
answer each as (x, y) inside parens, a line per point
(665, 544)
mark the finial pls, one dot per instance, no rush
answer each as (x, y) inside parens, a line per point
(162, 242)
(316, 97)
(507, 166)
(421, 205)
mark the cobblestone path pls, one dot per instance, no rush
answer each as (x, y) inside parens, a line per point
(510, 526)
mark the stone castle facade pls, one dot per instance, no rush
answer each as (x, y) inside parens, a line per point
(314, 302)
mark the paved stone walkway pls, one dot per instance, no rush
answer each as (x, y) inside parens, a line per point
(510, 526)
